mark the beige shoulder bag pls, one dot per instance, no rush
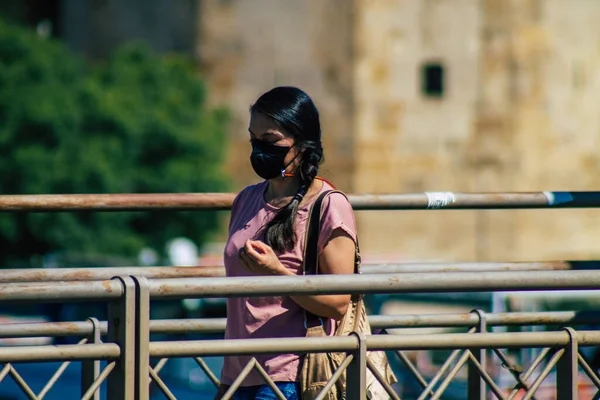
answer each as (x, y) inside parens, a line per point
(318, 368)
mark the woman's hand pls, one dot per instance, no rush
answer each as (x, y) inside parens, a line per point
(260, 258)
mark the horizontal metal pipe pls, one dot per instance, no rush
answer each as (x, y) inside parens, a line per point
(217, 325)
(51, 329)
(375, 342)
(97, 274)
(117, 202)
(84, 328)
(377, 283)
(93, 274)
(492, 319)
(200, 325)
(74, 352)
(499, 340)
(436, 267)
(61, 291)
(189, 348)
(223, 201)
(542, 318)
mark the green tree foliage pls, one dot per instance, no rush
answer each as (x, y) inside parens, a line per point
(135, 123)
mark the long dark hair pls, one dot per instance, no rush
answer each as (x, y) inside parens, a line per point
(295, 112)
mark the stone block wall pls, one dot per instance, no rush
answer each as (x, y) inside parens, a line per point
(518, 110)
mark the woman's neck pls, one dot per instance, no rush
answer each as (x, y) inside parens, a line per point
(282, 188)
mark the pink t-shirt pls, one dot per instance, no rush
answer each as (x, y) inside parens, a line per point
(273, 317)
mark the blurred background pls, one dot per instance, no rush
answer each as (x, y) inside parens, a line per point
(132, 96)
(107, 96)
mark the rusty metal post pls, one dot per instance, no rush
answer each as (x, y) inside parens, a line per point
(142, 342)
(90, 369)
(566, 370)
(121, 330)
(476, 384)
(356, 388)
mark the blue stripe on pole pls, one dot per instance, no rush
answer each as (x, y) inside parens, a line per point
(572, 199)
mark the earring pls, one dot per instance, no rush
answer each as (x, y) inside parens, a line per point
(283, 174)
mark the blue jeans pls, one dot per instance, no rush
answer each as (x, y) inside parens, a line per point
(291, 391)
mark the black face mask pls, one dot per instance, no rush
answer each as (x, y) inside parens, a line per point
(268, 159)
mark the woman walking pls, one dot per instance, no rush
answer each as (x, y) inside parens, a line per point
(266, 237)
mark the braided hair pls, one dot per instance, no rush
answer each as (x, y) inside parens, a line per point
(295, 112)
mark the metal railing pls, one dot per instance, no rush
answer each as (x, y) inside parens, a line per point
(93, 328)
(378, 322)
(128, 328)
(103, 273)
(223, 201)
(181, 288)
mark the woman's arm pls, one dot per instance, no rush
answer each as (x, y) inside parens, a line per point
(337, 257)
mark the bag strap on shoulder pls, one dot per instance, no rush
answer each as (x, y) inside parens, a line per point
(310, 261)
(311, 243)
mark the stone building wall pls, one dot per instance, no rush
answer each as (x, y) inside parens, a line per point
(519, 114)
(95, 27)
(556, 56)
(247, 47)
(407, 140)
(518, 110)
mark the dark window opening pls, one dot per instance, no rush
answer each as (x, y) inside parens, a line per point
(433, 80)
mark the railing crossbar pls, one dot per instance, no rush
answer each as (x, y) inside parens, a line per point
(544, 373)
(99, 380)
(217, 325)
(22, 384)
(207, 371)
(223, 201)
(440, 341)
(486, 377)
(129, 297)
(451, 375)
(588, 370)
(161, 384)
(378, 283)
(169, 272)
(538, 360)
(389, 390)
(68, 352)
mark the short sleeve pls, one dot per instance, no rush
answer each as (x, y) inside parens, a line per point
(336, 213)
(235, 207)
